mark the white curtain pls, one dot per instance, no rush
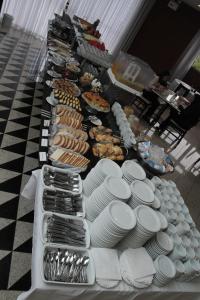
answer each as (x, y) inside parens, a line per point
(32, 15)
(117, 17)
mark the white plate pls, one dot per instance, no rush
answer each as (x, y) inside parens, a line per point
(164, 241)
(117, 187)
(166, 267)
(108, 284)
(53, 74)
(142, 191)
(49, 83)
(52, 101)
(148, 218)
(122, 215)
(107, 167)
(133, 170)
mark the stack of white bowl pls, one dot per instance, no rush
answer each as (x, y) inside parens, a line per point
(163, 220)
(124, 126)
(105, 167)
(141, 194)
(165, 271)
(113, 223)
(160, 244)
(156, 203)
(148, 224)
(151, 184)
(180, 268)
(111, 189)
(132, 171)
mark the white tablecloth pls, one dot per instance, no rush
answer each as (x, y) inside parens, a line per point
(43, 291)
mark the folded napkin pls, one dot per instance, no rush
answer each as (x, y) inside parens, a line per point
(30, 188)
(106, 263)
(137, 267)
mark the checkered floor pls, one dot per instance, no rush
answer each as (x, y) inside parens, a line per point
(20, 103)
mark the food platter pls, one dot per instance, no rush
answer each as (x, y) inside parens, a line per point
(96, 102)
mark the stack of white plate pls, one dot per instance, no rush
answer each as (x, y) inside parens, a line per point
(160, 244)
(141, 194)
(105, 167)
(113, 223)
(132, 171)
(165, 270)
(148, 223)
(111, 189)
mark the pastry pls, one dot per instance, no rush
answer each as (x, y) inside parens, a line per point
(64, 120)
(108, 150)
(73, 68)
(67, 142)
(76, 133)
(66, 86)
(67, 99)
(86, 79)
(96, 101)
(61, 110)
(69, 158)
(103, 134)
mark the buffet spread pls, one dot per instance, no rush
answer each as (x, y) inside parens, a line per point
(101, 222)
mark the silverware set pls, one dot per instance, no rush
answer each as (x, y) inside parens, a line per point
(65, 266)
(66, 181)
(46, 113)
(65, 231)
(62, 202)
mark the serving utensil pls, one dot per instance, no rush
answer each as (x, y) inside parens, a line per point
(65, 266)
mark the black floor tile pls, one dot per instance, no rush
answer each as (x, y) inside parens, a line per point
(28, 217)
(7, 237)
(4, 271)
(23, 284)
(25, 110)
(15, 165)
(6, 103)
(23, 121)
(26, 247)
(15, 183)
(8, 210)
(22, 133)
(19, 148)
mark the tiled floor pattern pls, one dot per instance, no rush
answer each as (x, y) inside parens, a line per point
(20, 103)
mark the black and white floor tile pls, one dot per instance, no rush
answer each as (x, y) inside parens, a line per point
(20, 104)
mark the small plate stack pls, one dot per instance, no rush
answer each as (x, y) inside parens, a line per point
(105, 167)
(111, 189)
(165, 271)
(161, 244)
(113, 223)
(148, 223)
(141, 194)
(132, 171)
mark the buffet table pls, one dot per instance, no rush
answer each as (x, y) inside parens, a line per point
(41, 290)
